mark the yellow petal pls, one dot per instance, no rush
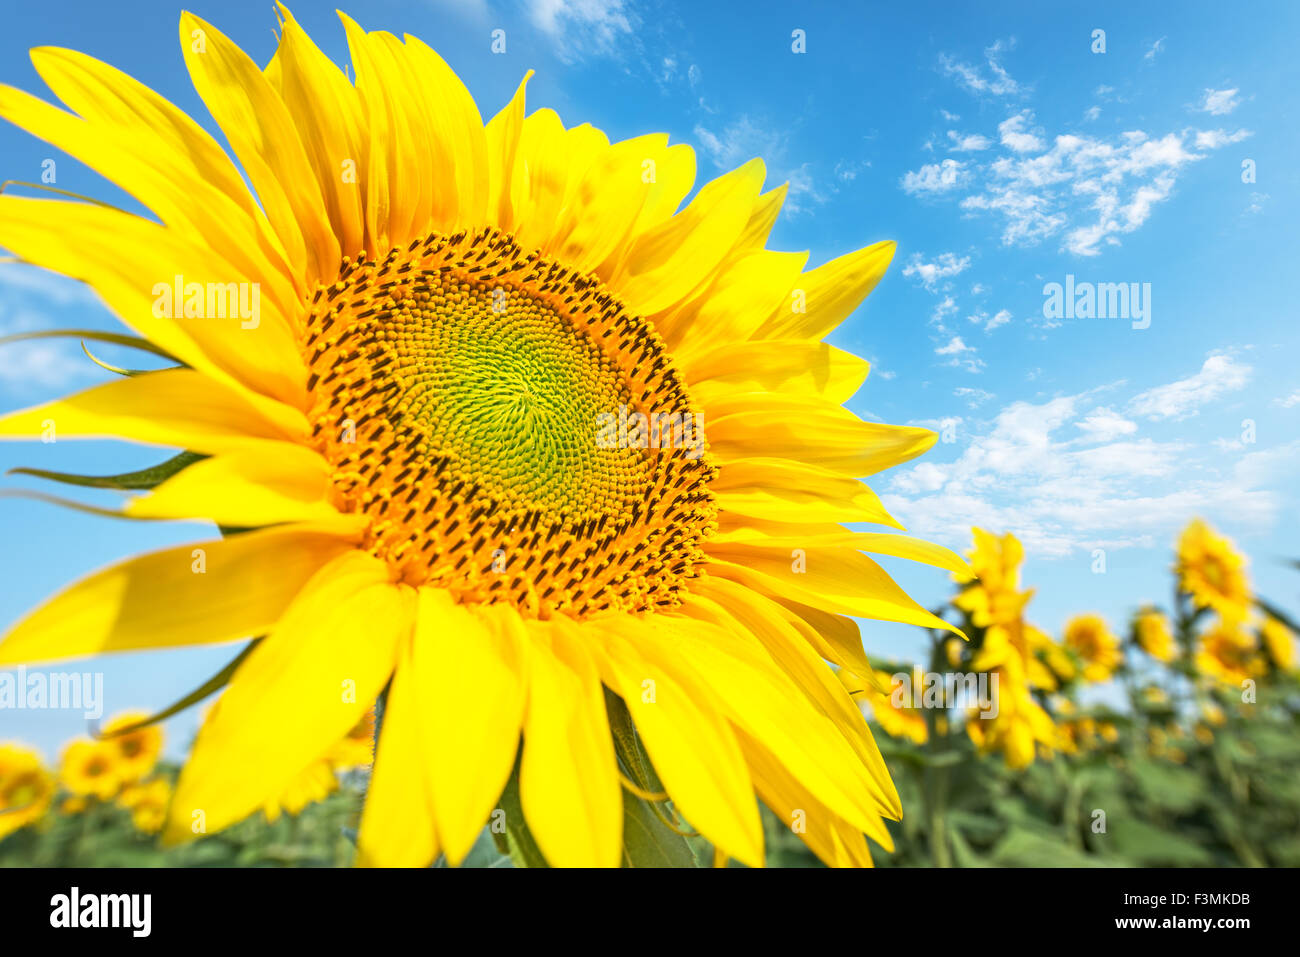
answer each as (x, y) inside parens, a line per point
(600, 213)
(669, 261)
(324, 106)
(247, 489)
(831, 293)
(262, 133)
(744, 291)
(812, 431)
(505, 176)
(166, 179)
(835, 579)
(693, 749)
(212, 591)
(297, 694)
(458, 123)
(761, 700)
(775, 365)
(173, 407)
(797, 807)
(755, 615)
(469, 678)
(783, 490)
(568, 780)
(397, 819)
(135, 266)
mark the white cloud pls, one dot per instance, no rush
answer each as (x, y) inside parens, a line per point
(1213, 139)
(738, 142)
(1031, 472)
(582, 27)
(803, 191)
(1219, 102)
(1013, 135)
(1091, 113)
(1156, 49)
(945, 266)
(967, 142)
(945, 308)
(1000, 318)
(1104, 424)
(934, 178)
(994, 80)
(954, 347)
(1289, 401)
(1089, 190)
(1219, 375)
(974, 397)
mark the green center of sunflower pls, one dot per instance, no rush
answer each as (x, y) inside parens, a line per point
(509, 430)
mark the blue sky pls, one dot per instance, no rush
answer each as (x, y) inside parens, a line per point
(991, 142)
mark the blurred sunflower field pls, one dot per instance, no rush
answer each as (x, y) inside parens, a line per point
(1169, 739)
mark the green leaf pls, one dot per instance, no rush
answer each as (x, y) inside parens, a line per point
(648, 841)
(524, 851)
(116, 338)
(143, 479)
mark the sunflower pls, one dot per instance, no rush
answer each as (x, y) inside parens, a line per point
(91, 769)
(1154, 636)
(1212, 572)
(147, 801)
(994, 601)
(26, 788)
(1229, 653)
(503, 429)
(1089, 637)
(138, 750)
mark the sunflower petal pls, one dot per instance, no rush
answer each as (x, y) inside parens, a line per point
(397, 820)
(693, 749)
(468, 676)
(247, 489)
(568, 780)
(172, 407)
(299, 692)
(213, 591)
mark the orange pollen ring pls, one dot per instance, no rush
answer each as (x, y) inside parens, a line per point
(508, 429)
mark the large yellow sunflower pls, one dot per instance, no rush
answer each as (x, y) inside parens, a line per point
(505, 429)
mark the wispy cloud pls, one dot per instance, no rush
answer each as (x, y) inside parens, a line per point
(991, 79)
(1219, 102)
(945, 266)
(1070, 474)
(1156, 49)
(935, 178)
(581, 28)
(1012, 133)
(1213, 139)
(967, 142)
(1219, 375)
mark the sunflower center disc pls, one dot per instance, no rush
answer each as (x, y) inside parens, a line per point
(510, 432)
